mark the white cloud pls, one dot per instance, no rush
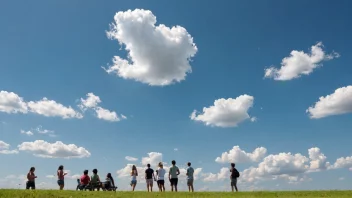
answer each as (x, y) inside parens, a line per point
(341, 178)
(92, 101)
(342, 162)
(211, 177)
(51, 108)
(12, 103)
(175, 149)
(339, 102)
(300, 63)
(131, 159)
(107, 115)
(317, 159)
(50, 176)
(29, 133)
(237, 155)
(153, 158)
(254, 119)
(226, 112)
(50, 133)
(157, 55)
(4, 148)
(41, 148)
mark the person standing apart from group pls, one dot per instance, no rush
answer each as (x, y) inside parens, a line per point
(61, 176)
(160, 175)
(234, 175)
(149, 176)
(190, 179)
(134, 174)
(173, 175)
(31, 179)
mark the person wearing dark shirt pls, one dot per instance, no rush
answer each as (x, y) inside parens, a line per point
(149, 176)
(233, 177)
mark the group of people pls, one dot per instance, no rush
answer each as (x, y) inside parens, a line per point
(94, 181)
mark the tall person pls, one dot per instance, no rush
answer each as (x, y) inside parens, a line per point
(173, 175)
(149, 176)
(190, 179)
(234, 175)
(61, 177)
(134, 174)
(161, 174)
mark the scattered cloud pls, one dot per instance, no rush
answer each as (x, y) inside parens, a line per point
(337, 103)
(225, 112)
(342, 162)
(12, 103)
(92, 101)
(318, 161)
(157, 55)
(50, 133)
(51, 108)
(237, 155)
(341, 178)
(131, 159)
(254, 119)
(29, 133)
(41, 148)
(300, 63)
(211, 177)
(5, 148)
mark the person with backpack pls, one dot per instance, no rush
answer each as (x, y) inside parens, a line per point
(234, 175)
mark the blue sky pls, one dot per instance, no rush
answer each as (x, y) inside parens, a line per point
(58, 49)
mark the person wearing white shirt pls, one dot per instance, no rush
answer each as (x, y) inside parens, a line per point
(160, 175)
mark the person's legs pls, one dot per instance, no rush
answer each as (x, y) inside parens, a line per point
(172, 184)
(176, 181)
(232, 185)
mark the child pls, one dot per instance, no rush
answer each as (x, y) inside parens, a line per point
(95, 180)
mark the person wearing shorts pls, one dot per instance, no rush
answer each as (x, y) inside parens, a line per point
(190, 172)
(233, 177)
(149, 175)
(60, 177)
(173, 175)
(134, 174)
(160, 175)
(30, 184)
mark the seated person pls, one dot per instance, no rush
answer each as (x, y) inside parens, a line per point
(95, 180)
(84, 181)
(109, 182)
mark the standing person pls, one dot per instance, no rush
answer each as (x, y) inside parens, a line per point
(190, 179)
(160, 175)
(173, 173)
(149, 176)
(234, 175)
(61, 176)
(30, 184)
(134, 174)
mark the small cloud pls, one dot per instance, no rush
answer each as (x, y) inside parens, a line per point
(253, 119)
(131, 159)
(29, 133)
(175, 149)
(123, 116)
(341, 178)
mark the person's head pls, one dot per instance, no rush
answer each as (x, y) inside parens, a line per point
(134, 167)
(32, 169)
(233, 165)
(148, 165)
(173, 162)
(85, 172)
(160, 164)
(61, 167)
(189, 163)
(95, 171)
(108, 175)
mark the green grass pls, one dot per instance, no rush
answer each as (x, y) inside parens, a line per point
(74, 194)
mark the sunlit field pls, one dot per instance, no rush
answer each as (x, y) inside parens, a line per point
(71, 194)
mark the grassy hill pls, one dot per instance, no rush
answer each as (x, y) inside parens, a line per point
(74, 194)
